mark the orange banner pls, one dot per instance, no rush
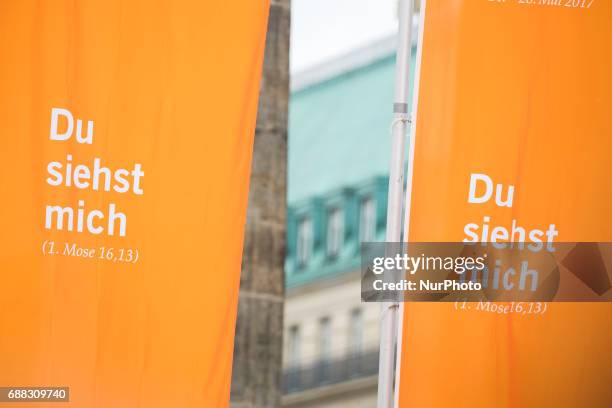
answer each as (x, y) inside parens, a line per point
(512, 143)
(127, 132)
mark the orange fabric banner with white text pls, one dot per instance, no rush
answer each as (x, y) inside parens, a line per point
(127, 132)
(514, 93)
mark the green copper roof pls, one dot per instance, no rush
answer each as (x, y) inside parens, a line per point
(339, 142)
(339, 131)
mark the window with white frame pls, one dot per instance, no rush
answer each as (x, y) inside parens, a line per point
(325, 339)
(304, 241)
(293, 346)
(335, 231)
(356, 331)
(367, 220)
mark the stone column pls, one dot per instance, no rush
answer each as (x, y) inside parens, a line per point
(257, 366)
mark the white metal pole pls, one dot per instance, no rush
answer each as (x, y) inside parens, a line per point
(388, 325)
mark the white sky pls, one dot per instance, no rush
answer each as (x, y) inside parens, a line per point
(323, 29)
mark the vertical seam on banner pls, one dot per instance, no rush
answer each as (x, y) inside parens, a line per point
(408, 198)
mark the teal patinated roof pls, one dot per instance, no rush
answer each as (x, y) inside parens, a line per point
(339, 130)
(339, 146)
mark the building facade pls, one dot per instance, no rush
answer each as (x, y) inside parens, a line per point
(339, 149)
